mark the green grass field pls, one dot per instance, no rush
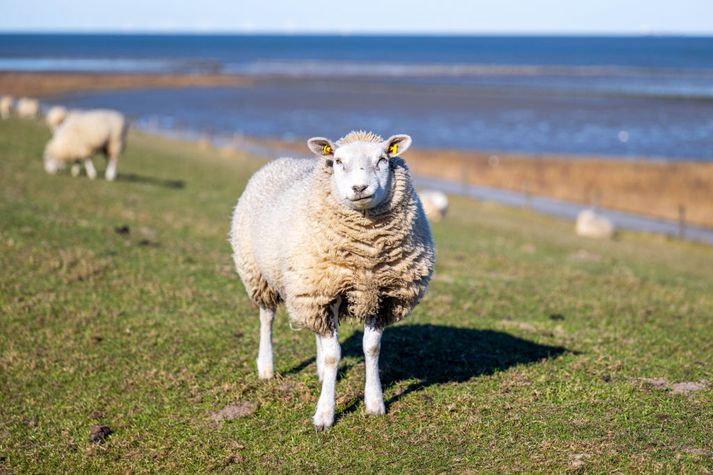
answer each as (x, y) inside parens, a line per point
(534, 350)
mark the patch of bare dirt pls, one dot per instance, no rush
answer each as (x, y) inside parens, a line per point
(233, 411)
(683, 388)
(98, 434)
(687, 387)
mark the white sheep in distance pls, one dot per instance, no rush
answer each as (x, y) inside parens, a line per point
(27, 108)
(6, 103)
(343, 236)
(55, 116)
(84, 134)
(594, 225)
(435, 204)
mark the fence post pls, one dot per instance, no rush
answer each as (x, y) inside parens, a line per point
(681, 221)
(528, 194)
(464, 174)
(596, 200)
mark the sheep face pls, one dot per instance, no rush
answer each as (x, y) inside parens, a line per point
(52, 165)
(361, 177)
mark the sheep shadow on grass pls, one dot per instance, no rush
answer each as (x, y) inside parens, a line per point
(149, 180)
(437, 354)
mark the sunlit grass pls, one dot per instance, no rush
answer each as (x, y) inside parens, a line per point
(120, 307)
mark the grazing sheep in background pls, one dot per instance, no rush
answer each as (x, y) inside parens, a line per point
(84, 134)
(435, 204)
(55, 116)
(6, 103)
(27, 108)
(343, 236)
(594, 225)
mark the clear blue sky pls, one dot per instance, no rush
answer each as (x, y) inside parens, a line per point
(363, 16)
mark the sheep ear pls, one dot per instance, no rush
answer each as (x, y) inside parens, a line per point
(321, 147)
(397, 144)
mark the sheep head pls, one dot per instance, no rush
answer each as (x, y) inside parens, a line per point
(51, 163)
(361, 177)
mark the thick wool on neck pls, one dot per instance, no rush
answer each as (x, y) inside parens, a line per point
(374, 260)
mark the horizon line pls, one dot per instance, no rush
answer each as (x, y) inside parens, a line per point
(183, 32)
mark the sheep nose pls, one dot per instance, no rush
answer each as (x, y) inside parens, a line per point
(359, 188)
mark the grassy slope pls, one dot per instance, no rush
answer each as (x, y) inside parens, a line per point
(526, 354)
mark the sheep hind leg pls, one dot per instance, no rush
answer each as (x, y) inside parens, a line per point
(75, 170)
(110, 173)
(373, 394)
(265, 368)
(331, 353)
(89, 167)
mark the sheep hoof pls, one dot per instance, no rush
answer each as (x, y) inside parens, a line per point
(265, 374)
(376, 408)
(322, 421)
(265, 368)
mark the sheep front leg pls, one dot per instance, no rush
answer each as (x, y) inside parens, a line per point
(331, 352)
(89, 167)
(264, 356)
(373, 395)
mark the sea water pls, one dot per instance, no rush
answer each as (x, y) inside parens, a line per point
(648, 97)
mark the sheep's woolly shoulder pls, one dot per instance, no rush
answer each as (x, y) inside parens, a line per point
(360, 136)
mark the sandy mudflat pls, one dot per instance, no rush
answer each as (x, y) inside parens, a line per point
(48, 84)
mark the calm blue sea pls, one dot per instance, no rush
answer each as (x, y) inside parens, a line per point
(617, 96)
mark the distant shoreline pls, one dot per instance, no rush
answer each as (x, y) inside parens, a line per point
(648, 187)
(46, 84)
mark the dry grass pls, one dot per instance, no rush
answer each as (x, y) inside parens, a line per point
(646, 187)
(641, 186)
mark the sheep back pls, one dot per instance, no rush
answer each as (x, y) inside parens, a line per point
(86, 133)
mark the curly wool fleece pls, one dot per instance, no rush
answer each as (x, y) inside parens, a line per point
(293, 241)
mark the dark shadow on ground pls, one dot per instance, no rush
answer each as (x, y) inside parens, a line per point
(437, 354)
(149, 180)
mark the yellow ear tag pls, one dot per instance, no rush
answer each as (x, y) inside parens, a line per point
(393, 149)
(326, 150)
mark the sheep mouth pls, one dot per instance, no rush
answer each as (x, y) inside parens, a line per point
(361, 198)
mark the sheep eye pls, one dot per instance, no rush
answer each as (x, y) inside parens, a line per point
(338, 161)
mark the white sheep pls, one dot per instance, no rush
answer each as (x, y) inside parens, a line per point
(6, 103)
(55, 116)
(84, 134)
(343, 236)
(594, 225)
(435, 204)
(27, 107)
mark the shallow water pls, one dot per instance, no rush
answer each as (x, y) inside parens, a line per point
(646, 97)
(436, 116)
